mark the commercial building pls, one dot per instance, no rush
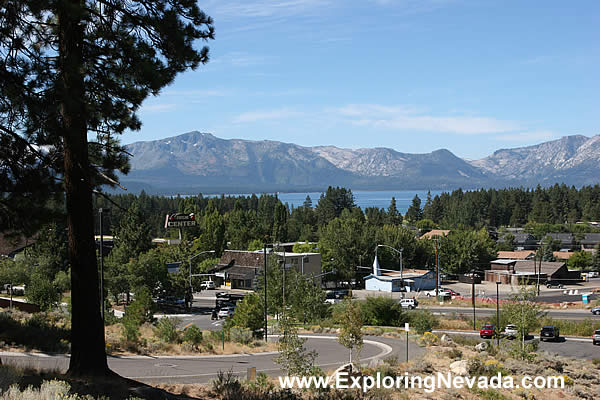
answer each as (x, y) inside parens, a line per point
(240, 269)
(515, 272)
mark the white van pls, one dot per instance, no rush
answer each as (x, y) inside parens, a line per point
(409, 303)
(206, 285)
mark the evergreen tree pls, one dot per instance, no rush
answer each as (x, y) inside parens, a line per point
(70, 69)
(415, 213)
(394, 216)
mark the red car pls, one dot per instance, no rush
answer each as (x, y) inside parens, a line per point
(487, 331)
(452, 292)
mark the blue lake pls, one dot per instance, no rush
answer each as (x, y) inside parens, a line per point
(363, 199)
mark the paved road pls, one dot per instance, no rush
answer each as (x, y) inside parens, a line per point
(479, 312)
(568, 346)
(204, 368)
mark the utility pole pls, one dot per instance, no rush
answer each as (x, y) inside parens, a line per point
(497, 315)
(100, 211)
(539, 272)
(437, 269)
(265, 275)
(473, 298)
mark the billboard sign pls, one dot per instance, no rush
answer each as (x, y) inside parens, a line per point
(179, 220)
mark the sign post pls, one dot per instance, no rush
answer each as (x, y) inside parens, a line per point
(406, 328)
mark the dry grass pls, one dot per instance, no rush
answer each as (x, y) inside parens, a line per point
(150, 344)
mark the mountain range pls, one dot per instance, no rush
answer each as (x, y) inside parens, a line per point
(197, 162)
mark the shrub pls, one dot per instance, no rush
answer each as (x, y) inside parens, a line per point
(240, 335)
(193, 335)
(166, 330)
(428, 339)
(478, 367)
(423, 321)
(227, 385)
(453, 353)
(249, 313)
(382, 311)
(138, 312)
(8, 376)
(41, 291)
(62, 281)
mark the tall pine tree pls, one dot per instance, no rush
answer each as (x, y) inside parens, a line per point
(72, 69)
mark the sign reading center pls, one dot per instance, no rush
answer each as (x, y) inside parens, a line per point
(179, 220)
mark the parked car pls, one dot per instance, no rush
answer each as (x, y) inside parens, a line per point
(336, 296)
(554, 285)
(226, 312)
(595, 310)
(487, 331)
(510, 331)
(409, 303)
(593, 274)
(207, 285)
(596, 337)
(549, 332)
(452, 292)
(440, 292)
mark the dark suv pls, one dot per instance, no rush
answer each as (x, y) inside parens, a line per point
(554, 284)
(549, 332)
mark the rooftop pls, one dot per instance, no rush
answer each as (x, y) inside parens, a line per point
(435, 232)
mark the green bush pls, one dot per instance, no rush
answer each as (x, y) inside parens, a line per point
(193, 335)
(138, 312)
(423, 321)
(42, 292)
(382, 311)
(62, 281)
(166, 330)
(240, 335)
(8, 376)
(249, 313)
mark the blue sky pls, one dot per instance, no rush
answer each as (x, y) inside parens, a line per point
(471, 76)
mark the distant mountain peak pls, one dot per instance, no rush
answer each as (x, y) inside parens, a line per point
(199, 161)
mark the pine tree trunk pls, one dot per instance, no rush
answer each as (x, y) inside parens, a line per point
(88, 356)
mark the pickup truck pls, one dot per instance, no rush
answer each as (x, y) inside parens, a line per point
(441, 292)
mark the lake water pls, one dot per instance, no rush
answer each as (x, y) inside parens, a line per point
(363, 199)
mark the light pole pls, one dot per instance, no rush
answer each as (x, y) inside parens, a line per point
(190, 263)
(396, 250)
(497, 314)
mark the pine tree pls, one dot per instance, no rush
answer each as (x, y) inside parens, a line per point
(71, 69)
(414, 212)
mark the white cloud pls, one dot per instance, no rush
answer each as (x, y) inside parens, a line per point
(413, 119)
(241, 59)
(270, 115)
(264, 8)
(158, 108)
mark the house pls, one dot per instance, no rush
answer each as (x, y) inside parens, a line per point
(590, 240)
(562, 255)
(12, 245)
(516, 255)
(522, 240)
(435, 233)
(518, 271)
(411, 280)
(240, 269)
(567, 240)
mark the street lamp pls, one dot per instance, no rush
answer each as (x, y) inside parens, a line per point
(190, 262)
(497, 315)
(396, 250)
